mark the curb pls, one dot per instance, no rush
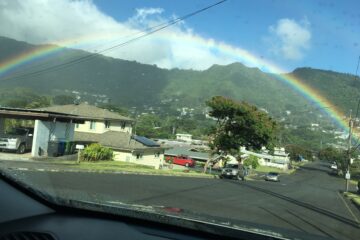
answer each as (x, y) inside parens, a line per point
(110, 172)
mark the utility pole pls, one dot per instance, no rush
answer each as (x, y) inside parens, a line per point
(347, 174)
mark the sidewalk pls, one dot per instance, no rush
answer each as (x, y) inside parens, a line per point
(4, 156)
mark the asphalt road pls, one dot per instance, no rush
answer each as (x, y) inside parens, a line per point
(306, 201)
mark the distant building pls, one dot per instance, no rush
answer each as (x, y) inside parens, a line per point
(184, 137)
(280, 159)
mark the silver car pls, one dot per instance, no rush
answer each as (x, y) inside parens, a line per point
(272, 176)
(233, 171)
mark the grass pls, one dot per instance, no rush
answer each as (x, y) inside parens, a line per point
(353, 197)
(266, 169)
(118, 166)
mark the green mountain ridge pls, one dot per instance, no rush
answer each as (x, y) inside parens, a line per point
(133, 84)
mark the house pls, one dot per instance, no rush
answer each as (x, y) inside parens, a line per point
(184, 137)
(187, 151)
(114, 131)
(279, 159)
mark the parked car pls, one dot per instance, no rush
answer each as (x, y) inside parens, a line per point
(17, 139)
(333, 166)
(233, 171)
(184, 161)
(272, 176)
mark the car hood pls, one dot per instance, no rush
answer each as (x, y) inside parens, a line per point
(169, 215)
(11, 136)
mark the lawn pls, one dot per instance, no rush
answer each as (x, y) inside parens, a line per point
(266, 169)
(354, 197)
(117, 166)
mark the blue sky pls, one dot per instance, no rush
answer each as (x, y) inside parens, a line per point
(334, 26)
(287, 33)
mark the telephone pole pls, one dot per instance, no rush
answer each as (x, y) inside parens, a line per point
(347, 174)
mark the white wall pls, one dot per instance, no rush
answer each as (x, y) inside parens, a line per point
(148, 158)
(118, 126)
(184, 137)
(100, 127)
(45, 131)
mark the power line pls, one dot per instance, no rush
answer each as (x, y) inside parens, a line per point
(92, 55)
(94, 48)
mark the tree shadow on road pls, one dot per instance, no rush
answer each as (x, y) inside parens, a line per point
(172, 193)
(305, 205)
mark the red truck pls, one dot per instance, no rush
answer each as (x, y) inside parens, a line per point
(182, 160)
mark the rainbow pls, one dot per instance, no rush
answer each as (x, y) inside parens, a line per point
(220, 48)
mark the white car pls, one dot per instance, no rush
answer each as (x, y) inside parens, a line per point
(333, 166)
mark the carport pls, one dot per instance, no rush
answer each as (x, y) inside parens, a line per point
(49, 126)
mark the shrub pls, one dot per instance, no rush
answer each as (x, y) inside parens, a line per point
(96, 152)
(252, 161)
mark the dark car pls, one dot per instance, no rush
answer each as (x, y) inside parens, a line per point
(233, 171)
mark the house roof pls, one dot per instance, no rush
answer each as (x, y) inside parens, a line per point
(115, 140)
(34, 114)
(176, 151)
(88, 111)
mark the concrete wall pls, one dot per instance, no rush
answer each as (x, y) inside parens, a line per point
(100, 127)
(263, 162)
(50, 131)
(149, 158)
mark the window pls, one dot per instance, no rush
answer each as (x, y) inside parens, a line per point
(138, 156)
(123, 125)
(157, 154)
(107, 124)
(92, 125)
(77, 125)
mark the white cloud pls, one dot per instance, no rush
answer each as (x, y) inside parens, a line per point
(290, 39)
(59, 21)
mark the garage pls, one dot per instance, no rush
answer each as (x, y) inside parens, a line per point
(49, 135)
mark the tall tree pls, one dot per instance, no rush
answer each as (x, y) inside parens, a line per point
(239, 124)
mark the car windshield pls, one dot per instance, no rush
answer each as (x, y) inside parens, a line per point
(17, 131)
(232, 166)
(143, 104)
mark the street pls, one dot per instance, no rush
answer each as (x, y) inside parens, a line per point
(306, 201)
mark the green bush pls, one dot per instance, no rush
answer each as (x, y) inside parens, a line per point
(252, 161)
(96, 152)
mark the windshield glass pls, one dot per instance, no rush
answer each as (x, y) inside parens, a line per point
(17, 131)
(143, 104)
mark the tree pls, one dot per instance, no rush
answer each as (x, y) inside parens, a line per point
(338, 156)
(252, 161)
(63, 99)
(296, 151)
(239, 124)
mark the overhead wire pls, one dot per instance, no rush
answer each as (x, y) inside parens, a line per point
(92, 55)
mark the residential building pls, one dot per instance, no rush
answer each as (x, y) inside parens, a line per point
(114, 131)
(279, 159)
(184, 137)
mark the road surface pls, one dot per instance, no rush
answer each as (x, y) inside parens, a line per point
(306, 201)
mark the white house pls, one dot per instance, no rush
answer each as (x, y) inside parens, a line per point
(115, 131)
(280, 159)
(184, 137)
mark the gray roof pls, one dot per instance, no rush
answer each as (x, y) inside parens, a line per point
(113, 139)
(176, 151)
(86, 110)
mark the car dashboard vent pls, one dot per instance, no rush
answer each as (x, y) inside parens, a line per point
(27, 236)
